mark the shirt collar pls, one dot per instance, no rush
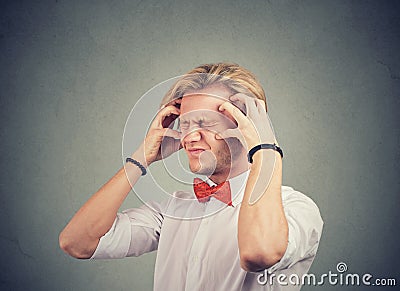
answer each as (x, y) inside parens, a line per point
(237, 184)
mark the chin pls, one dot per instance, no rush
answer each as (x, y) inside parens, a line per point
(201, 170)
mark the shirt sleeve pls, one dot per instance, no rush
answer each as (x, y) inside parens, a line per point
(134, 232)
(305, 228)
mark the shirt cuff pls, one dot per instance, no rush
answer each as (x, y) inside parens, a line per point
(115, 243)
(285, 261)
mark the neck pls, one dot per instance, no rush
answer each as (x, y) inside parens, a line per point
(238, 167)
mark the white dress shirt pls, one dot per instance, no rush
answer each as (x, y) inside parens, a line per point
(199, 250)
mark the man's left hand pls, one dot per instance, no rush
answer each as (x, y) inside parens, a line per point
(254, 127)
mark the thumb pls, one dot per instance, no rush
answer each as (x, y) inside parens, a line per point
(233, 111)
(227, 134)
(231, 133)
(171, 133)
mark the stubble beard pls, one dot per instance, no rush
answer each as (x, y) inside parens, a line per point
(219, 163)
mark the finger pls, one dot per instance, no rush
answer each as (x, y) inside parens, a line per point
(234, 112)
(168, 120)
(239, 96)
(247, 101)
(167, 132)
(170, 114)
(169, 149)
(174, 102)
(240, 105)
(250, 103)
(231, 133)
(261, 105)
(239, 101)
(177, 100)
(160, 120)
(227, 134)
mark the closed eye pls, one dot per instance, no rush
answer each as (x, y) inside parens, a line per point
(184, 125)
(209, 124)
(206, 123)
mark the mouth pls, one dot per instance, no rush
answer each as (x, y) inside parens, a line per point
(194, 152)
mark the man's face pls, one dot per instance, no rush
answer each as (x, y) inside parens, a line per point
(200, 121)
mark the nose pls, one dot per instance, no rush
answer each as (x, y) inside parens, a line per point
(192, 136)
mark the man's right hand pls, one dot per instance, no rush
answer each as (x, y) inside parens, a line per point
(161, 140)
(82, 234)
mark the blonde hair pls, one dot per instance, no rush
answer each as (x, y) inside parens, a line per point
(233, 76)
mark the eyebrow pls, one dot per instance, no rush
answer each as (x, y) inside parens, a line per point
(198, 119)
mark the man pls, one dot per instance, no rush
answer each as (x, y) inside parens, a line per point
(234, 235)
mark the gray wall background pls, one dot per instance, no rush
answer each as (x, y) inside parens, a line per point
(72, 70)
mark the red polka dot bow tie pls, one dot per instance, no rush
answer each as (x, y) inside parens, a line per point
(204, 191)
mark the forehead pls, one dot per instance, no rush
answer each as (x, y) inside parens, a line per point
(208, 99)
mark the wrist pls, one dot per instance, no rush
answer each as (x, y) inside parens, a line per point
(137, 164)
(251, 143)
(139, 155)
(261, 155)
(262, 147)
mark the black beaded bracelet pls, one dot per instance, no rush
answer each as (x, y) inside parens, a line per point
(263, 146)
(130, 160)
